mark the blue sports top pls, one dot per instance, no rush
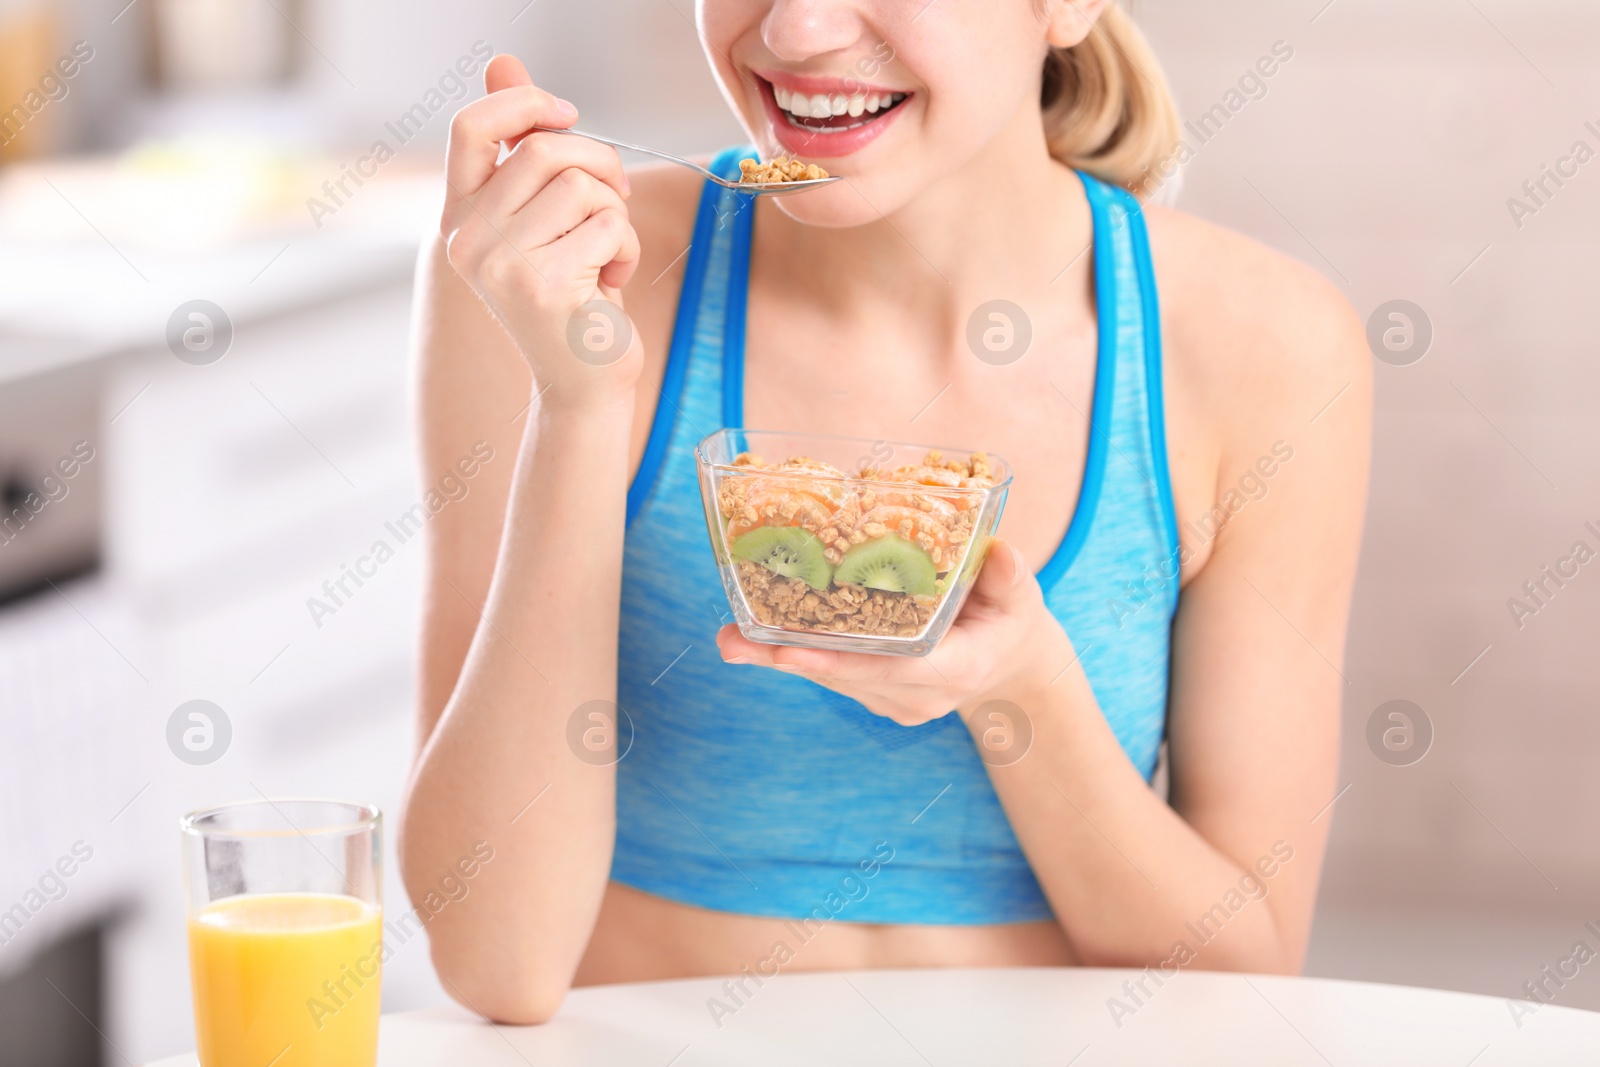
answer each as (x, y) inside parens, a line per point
(753, 791)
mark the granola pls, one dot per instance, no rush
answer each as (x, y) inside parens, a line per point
(776, 171)
(791, 604)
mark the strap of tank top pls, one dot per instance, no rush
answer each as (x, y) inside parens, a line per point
(733, 314)
(1155, 400)
(1105, 377)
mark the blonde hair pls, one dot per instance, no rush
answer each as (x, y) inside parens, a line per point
(1107, 107)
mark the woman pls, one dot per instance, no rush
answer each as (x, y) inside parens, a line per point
(1190, 413)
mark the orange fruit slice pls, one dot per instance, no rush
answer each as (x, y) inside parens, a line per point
(816, 500)
(938, 507)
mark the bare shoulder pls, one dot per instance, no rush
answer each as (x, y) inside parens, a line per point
(1257, 338)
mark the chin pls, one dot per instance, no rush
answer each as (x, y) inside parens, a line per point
(852, 202)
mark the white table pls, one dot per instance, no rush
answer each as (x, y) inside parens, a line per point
(1005, 1018)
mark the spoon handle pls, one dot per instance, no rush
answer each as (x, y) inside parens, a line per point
(635, 148)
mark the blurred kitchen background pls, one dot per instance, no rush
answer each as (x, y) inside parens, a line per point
(216, 495)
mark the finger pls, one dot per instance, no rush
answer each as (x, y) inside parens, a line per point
(1005, 575)
(604, 242)
(558, 209)
(565, 201)
(737, 648)
(827, 666)
(474, 228)
(858, 668)
(538, 161)
(819, 666)
(505, 71)
(477, 130)
(615, 275)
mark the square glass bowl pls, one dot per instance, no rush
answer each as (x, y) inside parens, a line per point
(847, 543)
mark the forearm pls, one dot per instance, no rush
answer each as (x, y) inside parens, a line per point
(498, 767)
(1128, 878)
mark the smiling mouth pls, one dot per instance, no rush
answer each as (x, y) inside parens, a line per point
(833, 112)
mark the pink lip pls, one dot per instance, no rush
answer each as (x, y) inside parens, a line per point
(809, 145)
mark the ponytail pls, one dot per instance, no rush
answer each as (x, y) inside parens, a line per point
(1107, 108)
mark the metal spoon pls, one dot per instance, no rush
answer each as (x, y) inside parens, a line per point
(748, 188)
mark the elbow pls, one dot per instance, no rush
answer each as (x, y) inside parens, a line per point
(504, 977)
(1127, 957)
(1287, 960)
(526, 1007)
(501, 990)
(1245, 955)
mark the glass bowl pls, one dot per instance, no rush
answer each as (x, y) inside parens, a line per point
(847, 543)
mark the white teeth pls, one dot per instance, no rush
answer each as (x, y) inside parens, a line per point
(823, 106)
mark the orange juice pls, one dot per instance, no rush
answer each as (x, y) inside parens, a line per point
(286, 980)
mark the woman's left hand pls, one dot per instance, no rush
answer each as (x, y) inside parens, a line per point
(1004, 643)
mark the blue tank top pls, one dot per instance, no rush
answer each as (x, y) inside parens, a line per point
(752, 791)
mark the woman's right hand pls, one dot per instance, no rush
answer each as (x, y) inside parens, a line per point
(543, 237)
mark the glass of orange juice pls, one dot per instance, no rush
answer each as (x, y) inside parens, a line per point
(285, 932)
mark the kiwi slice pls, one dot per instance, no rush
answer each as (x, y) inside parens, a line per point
(890, 563)
(786, 550)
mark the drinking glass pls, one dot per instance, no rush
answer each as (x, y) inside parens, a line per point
(285, 932)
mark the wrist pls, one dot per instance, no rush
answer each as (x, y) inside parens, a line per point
(594, 431)
(585, 400)
(1005, 719)
(1036, 665)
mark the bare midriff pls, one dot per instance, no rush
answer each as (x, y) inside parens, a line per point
(640, 937)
